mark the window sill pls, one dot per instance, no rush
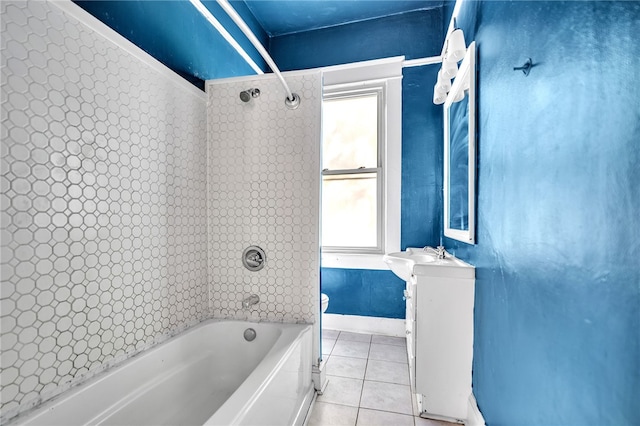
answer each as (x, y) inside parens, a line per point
(353, 261)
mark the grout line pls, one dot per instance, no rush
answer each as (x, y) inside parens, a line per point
(364, 379)
(390, 412)
(335, 403)
(395, 362)
(387, 383)
(414, 417)
(388, 344)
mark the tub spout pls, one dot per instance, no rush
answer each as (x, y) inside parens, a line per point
(251, 300)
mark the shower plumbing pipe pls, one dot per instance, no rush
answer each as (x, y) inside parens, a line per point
(256, 43)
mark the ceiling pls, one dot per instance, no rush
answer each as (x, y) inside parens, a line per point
(279, 17)
(176, 34)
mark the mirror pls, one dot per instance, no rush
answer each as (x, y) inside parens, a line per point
(460, 153)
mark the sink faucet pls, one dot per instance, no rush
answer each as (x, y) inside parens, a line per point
(251, 300)
(439, 251)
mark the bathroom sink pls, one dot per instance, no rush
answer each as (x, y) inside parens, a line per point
(417, 261)
(402, 263)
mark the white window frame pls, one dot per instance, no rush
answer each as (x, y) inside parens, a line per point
(348, 92)
(362, 76)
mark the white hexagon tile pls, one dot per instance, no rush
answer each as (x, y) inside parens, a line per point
(103, 204)
(263, 189)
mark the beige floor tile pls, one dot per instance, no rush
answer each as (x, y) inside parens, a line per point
(330, 334)
(386, 397)
(327, 346)
(342, 390)
(382, 398)
(346, 367)
(325, 414)
(389, 340)
(368, 417)
(354, 337)
(386, 371)
(387, 353)
(351, 349)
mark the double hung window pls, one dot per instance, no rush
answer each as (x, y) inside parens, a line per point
(361, 151)
(352, 175)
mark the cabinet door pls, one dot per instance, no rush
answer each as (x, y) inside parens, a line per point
(410, 298)
(444, 344)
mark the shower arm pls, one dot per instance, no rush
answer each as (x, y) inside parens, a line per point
(256, 43)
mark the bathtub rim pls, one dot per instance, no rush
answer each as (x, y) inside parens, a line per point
(24, 411)
(40, 409)
(282, 354)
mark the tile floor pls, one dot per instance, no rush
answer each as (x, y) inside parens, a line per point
(368, 383)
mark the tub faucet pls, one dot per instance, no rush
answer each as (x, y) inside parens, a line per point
(251, 300)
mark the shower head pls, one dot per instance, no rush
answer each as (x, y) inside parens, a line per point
(246, 95)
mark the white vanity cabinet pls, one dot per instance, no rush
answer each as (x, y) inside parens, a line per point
(410, 322)
(439, 322)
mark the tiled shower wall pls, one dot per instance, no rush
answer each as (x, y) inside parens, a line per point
(263, 189)
(103, 222)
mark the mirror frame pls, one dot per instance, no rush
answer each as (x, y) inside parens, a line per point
(466, 78)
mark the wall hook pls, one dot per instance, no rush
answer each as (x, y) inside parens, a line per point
(526, 68)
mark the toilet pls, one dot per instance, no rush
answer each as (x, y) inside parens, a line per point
(324, 302)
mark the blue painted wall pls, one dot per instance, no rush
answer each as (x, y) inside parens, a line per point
(363, 292)
(415, 35)
(177, 35)
(557, 337)
(412, 34)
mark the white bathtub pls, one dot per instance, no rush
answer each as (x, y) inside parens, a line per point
(207, 375)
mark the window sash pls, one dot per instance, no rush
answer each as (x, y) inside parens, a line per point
(355, 214)
(358, 90)
(347, 138)
(327, 172)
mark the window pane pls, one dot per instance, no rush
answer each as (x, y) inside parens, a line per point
(349, 210)
(350, 132)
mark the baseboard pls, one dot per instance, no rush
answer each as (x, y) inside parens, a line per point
(474, 416)
(361, 324)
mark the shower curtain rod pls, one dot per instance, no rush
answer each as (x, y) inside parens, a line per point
(256, 43)
(291, 98)
(408, 63)
(225, 34)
